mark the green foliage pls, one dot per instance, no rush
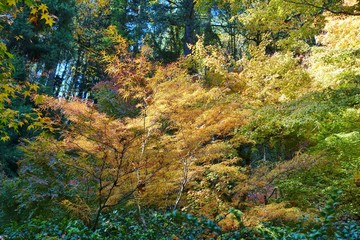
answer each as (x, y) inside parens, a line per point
(8, 191)
(159, 225)
(45, 229)
(170, 225)
(335, 67)
(27, 197)
(118, 224)
(111, 103)
(10, 154)
(308, 117)
(324, 124)
(328, 227)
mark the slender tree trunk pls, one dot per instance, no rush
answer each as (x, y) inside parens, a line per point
(139, 182)
(74, 84)
(50, 81)
(189, 26)
(188, 38)
(96, 221)
(184, 181)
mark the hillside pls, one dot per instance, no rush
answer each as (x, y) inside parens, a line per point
(252, 133)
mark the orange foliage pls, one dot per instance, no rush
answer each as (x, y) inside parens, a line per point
(118, 155)
(129, 75)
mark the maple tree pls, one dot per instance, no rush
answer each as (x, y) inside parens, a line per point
(16, 113)
(103, 162)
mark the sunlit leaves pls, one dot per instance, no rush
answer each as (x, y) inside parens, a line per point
(36, 11)
(274, 79)
(98, 149)
(337, 62)
(38, 99)
(8, 88)
(43, 8)
(11, 2)
(341, 33)
(33, 11)
(13, 119)
(130, 76)
(41, 12)
(290, 26)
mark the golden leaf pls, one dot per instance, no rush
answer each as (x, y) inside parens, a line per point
(11, 2)
(43, 8)
(50, 21)
(33, 11)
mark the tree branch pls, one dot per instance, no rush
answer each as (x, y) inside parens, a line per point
(352, 11)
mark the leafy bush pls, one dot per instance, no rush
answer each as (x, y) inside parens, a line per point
(127, 224)
(118, 225)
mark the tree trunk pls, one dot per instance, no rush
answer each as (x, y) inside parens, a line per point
(189, 34)
(184, 181)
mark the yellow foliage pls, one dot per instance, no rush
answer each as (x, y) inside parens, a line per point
(120, 156)
(79, 208)
(41, 12)
(275, 212)
(229, 223)
(357, 179)
(214, 66)
(273, 79)
(337, 58)
(341, 32)
(205, 202)
(130, 76)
